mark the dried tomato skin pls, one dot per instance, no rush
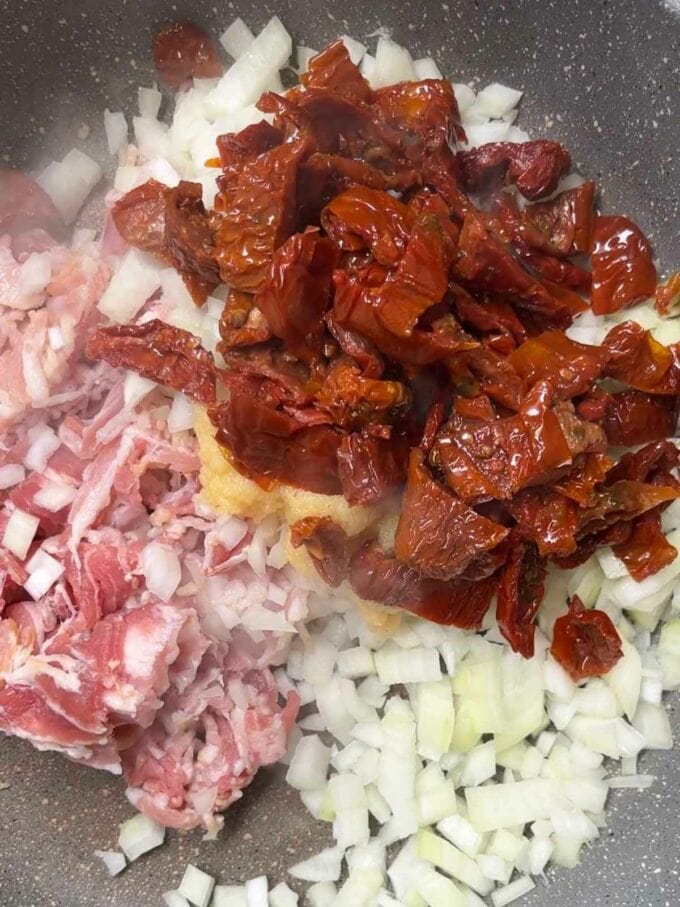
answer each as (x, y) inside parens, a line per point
(235, 148)
(646, 550)
(438, 534)
(155, 350)
(333, 69)
(255, 213)
(139, 216)
(264, 442)
(520, 593)
(296, 292)
(570, 367)
(585, 642)
(548, 518)
(633, 417)
(534, 167)
(370, 469)
(623, 266)
(354, 401)
(667, 294)
(362, 218)
(188, 236)
(635, 358)
(328, 546)
(241, 322)
(24, 205)
(183, 51)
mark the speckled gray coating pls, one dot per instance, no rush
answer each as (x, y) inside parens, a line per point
(604, 78)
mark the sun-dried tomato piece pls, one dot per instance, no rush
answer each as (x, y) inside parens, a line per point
(353, 400)
(139, 216)
(255, 213)
(370, 468)
(623, 266)
(534, 167)
(570, 367)
(633, 417)
(328, 545)
(486, 264)
(548, 518)
(561, 226)
(560, 277)
(438, 534)
(637, 359)
(585, 642)
(183, 51)
(646, 551)
(265, 442)
(489, 317)
(241, 322)
(24, 205)
(235, 148)
(362, 218)
(333, 70)
(352, 344)
(667, 294)
(270, 375)
(425, 113)
(188, 235)
(587, 473)
(479, 407)
(168, 355)
(520, 593)
(648, 464)
(296, 292)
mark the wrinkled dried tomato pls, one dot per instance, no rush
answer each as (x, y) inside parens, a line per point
(623, 267)
(183, 51)
(534, 167)
(520, 593)
(139, 216)
(155, 350)
(633, 417)
(646, 550)
(570, 367)
(370, 469)
(585, 643)
(637, 359)
(667, 294)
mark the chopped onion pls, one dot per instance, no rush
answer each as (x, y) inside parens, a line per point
(509, 893)
(135, 388)
(175, 899)
(229, 896)
(11, 474)
(322, 894)
(459, 831)
(133, 283)
(355, 49)
(494, 867)
(35, 274)
(322, 867)
(113, 860)
(309, 765)
(445, 856)
(393, 63)
(196, 886)
(360, 889)
(407, 666)
(140, 835)
(181, 416)
(480, 765)
(43, 572)
(116, 128)
(162, 570)
(149, 100)
(435, 717)
(638, 782)
(497, 100)
(282, 896)
(351, 810)
(318, 661)
(237, 38)
(426, 68)
(355, 662)
(256, 892)
(496, 806)
(69, 182)
(651, 721)
(43, 443)
(465, 96)
(625, 679)
(20, 532)
(54, 496)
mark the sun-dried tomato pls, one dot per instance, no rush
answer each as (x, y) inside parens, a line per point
(647, 550)
(183, 51)
(648, 464)
(557, 274)
(255, 213)
(479, 407)
(634, 417)
(235, 148)
(585, 643)
(520, 593)
(24, 205)
(296, 292)
(332, 69)
(353, 400)
(188, 235)
(139, 216)
(667, 294)
(637, 359)
(362, 218)
(548, 518)
(586, 474)
(328, 546)
(370, 468)
(438, 534)
(534, 167)
(570, 367)
(266, 442)
(623, 266)
(425, 113)
(241, 322)
(155, 350)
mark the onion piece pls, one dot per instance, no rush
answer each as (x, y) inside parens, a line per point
(325, 866)
(652, 722)
(237, 38)
(256, 892)
(149, 100)
(496, 806)
(162, 570)
(20, 532)
(11, 474)
(196, 886)
(133, 283)
(348, 797)
(135, 388)
(416, 665)
(229, 896)
(355, 49)
(309, 765)
(509, 893)
(69, 182)
(426, 68)
(54, 496)
(140, 835)
(116, 128)
(43, 572)
(393, 63)
(322, 894)
(459, 831)
(43, 443)
(175, 899)
(113, 860)
(440, 853)
(498, 100)
(282, 896)
(182, 414)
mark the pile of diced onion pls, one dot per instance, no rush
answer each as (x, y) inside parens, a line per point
(448, 768)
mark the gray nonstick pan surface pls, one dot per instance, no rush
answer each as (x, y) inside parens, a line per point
(602, 77)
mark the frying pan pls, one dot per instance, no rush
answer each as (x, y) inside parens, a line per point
(603, 77)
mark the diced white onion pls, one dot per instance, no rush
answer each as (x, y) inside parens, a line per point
(237, 38)
(322, 867)
(11, 474)
(162, 570)
(497, 100)
(44, 442)
(322, 894)
(256, 892)
(116, 128)
(426, 68)
(44, 571)
(133, 283)
(112, 859)
(149, 100)
(54, 496)
(393, 63)
(355, 49)
(229, 896)
(20, 532)
(182, 412)
(417, 665)
(509, 893)
(309, 765)
(69, 182)
(196, 886)
(136, 388)
(282, 896)
(140, 835)
(35, 273)
(175, 899)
